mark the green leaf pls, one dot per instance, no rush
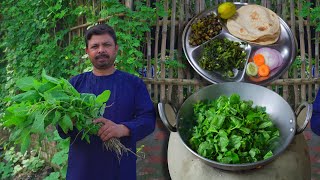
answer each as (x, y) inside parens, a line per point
(217, 120)
(56, 118)
(205, 149)
(234, 99)
(226, 160)
(223, 143)
(254, 152)
(305, 10)
(102, 109)
(53, 176)
(56, 94)
(25, 141)
(45, 87)
(88, 98)
(265, 125)
(103, 97)
(235, 122)
(235, 141)
(245, 130)
(15, 114)
(1, 167)
(15, 134)
(49, 78)
(60, 157)
(26, 83)
(38, 123)
(69, 88)
(6, 170)
(66, 124)
(231, 157)
(20, 109)
(10, 120)
(31, 96)
(268, 155)
(86, 137)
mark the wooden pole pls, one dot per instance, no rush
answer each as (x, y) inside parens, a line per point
(172, 44)
(149, 54)
(302, 50)
(179, 50)
(129, 4)
(309, 57)
(201, 82)
(295, 71)
(316, 54)
(156, 47)
(163, 52)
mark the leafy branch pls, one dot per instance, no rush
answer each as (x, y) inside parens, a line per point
(51, 102)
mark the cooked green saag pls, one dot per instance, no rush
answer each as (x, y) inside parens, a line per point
(222, 56)
(233, 131)
(204, 29)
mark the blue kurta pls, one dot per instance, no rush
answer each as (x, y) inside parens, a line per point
(129, 104)
(315, 119)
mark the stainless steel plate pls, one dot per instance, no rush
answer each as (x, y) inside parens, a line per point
(286, 45)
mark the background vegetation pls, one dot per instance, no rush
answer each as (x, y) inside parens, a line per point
(36, 35)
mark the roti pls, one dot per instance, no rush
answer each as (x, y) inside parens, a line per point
(255, 23)
(265, 40)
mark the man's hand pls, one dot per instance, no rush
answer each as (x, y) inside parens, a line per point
(109, 129)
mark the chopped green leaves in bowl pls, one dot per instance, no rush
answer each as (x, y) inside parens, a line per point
(233, 131)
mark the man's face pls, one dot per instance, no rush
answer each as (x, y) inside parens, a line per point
(102, 51)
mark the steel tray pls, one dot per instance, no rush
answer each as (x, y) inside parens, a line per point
(286, 45)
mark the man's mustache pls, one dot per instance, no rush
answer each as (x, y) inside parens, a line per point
(102, 56)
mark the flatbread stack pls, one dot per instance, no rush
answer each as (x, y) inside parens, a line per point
(255, 24)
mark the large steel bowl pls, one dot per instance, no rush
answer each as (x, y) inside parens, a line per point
(279, 110)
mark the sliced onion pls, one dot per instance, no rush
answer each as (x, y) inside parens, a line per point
(279, 57)
(272, 57)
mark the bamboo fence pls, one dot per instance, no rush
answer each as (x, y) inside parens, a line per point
(174, 85)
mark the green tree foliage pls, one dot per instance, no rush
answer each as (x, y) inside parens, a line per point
(33, 37)
(310, 9)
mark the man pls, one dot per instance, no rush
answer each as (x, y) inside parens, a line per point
(129, 115)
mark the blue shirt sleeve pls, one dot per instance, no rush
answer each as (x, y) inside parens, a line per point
(315, 119)
(144, 122)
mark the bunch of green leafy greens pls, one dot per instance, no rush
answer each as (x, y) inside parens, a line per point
(54, 102)
(223, 56)
(233, 131)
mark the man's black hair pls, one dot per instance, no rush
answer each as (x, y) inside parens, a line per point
(99, 30)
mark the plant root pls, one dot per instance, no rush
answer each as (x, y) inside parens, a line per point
(116, 146)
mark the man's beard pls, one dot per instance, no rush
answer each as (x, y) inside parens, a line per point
(105, 64)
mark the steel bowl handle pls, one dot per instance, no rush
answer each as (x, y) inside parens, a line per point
(308, 116)
(164, 118)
